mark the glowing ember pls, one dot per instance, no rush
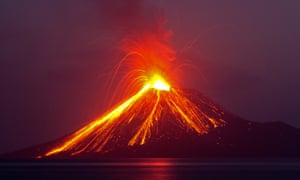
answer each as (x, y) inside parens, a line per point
(159, 83)
(141, 112)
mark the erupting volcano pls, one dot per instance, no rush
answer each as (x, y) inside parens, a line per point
(149, 113)
(156, 118)
(143, 111)
(137, 118)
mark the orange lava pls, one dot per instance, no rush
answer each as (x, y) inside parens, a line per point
(102, 130)
(147, 78)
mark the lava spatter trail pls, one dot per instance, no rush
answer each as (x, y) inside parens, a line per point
(148, 78)
(146, 104)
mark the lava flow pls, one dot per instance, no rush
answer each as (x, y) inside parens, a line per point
(135, 119)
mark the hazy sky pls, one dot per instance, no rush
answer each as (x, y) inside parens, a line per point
(56, 57)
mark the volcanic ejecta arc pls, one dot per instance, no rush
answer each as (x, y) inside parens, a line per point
(150, 61)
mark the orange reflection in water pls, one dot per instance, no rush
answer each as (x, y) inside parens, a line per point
(155, 169)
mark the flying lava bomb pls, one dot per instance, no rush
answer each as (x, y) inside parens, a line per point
(147, 72)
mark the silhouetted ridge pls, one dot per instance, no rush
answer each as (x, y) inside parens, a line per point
(238, 138)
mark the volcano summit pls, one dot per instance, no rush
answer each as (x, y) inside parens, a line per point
(170, 137)
(135, 120)
(156, 118)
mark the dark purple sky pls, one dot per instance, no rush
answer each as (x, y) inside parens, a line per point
(56, 57)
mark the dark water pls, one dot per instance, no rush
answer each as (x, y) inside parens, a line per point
(152, 168)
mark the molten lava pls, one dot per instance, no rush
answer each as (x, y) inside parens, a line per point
(136, 118)
(148, 104)
(159, 84)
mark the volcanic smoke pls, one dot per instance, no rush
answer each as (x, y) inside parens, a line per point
(147, 72)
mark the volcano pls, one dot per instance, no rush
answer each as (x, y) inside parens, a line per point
(234, 138)
(157, 118)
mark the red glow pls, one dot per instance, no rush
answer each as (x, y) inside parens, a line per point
(147, 81)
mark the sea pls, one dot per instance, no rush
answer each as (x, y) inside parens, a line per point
(152, 169)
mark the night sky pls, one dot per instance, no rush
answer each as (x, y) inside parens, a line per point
(56, 58)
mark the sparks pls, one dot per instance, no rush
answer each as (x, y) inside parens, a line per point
(132, 121)
(105, 128)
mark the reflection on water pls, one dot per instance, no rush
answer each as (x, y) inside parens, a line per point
(160, 169)
(152, 168)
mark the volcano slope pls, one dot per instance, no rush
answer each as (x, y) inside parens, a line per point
(236, 138)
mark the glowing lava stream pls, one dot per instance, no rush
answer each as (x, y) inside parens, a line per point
(96, 135)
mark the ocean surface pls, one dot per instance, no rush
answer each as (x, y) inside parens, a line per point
(152, 168)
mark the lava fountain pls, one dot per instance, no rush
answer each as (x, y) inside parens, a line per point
(147, 71)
